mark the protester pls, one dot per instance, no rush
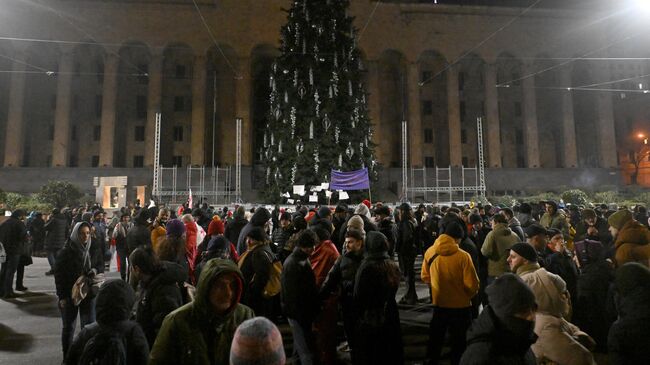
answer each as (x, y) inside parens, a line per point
(159, 232)
(255, 265)
(139, 234)
(300, 297)
(378, 335)
(119, 235)
(13, 235)
(495, 247)
(453, 281)
(406, 248)
(537, 236)
(594, 228)
(234, 226)
(96, 343)
(260, 219)
(201, 332)
(338, 220)
(553, 218)
(257, 341)
(504, 331)
(78, 257)
(282, 233)
(513, 223)
(631, 239)
(55, 228)
(160, 293)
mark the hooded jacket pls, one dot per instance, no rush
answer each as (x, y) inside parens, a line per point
(489, 342)
(72, 262)
(299, 290)
(194, 334)
(55, 229)
(632, 244)
(557, 221)
(500, 239)
(160, 296)
(558, 342)
(629, 336)
(13, 234)
(259, 219)
(114, 302)
(451, 274)
(322, 259)
(515, 226)
(551, 299)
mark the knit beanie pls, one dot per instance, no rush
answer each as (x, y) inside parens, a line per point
(454, 230)
(324, 212)
(215, 226)
(356, 222)
(589, 213)
(366, 202)
(509, 295)
(525, 250)
(631, 277)
(618, 219)
(534, 230)
(362, 210)
(175, 228)
(257, 341)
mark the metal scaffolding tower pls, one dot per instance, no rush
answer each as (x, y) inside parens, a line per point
(404, 161)
(156, 159)
(238, 198)
(481, 158)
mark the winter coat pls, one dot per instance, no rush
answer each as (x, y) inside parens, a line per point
(191, 230)
(387, 228)
(561, 263)
(55, 232)
(590, 310)
(632, 244)
(256, 269)
(336, 234)
(299, 291)
(70, 264)
(407, 239)
(113, 307)
(601, 225)
(322, 260)
(451, 274)
(158, 235)
(515, 226)
(159, 297)
(368, 226)
(549, 289)
(558, 342)
(120, 232)
(378, 334)
(37, 230)
(341, 278)
(233, 229)
(259, 219)
(495, 247)
(557, 221)
(138, 236)
(629, 338)
(489, 342)
(194, 334)
(525, 219)
(13, 235)
(281, 236)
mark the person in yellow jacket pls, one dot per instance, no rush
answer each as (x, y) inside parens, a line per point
(158, 233)
(453, 280)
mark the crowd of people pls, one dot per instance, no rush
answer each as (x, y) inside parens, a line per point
(529, 284)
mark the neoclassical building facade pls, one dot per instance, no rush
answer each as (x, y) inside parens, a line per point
(84, 80)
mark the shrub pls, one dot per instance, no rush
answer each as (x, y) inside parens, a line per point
(60, 194)
(576, 197)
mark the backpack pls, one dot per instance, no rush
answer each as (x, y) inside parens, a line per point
(106, 347)
(273, 286)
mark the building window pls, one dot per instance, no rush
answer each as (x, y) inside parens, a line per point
(177, 161)
(461, 81)
(179, 103)
(429, 161)
(180, 71)
(463, 136)
(143, 69)
(97, 133)
(139, 133)
(138, 161)
(141, 107)
(465, 162)
(427, 107)
(517, 109)
(428, 135)
(50, 135)
(462, 111)
(178, 134)
(426, 76)
(99, 100)
(94, 161)
(74, 133)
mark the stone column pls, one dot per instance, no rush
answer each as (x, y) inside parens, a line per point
(453, 107)
(568, 123)
(606, 131)
(60, 145)
(14, 140)
(198, 110)
(531, 137)
(242, 110)
(154, 101)
(415, 131)
(492, 123)
(109, 111)
(374, 112)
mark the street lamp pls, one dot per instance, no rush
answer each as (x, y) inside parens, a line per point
(639, 154)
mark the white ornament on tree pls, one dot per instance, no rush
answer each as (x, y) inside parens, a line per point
(280, 147)
(327, 123)
(311, 77)
(349, 151)
(336, 134)
(300, 147)
(311, 129)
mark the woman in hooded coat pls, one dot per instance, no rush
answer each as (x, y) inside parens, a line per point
(78, 257)
(378, 333)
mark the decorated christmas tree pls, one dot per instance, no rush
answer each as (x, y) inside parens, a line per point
(318, 118)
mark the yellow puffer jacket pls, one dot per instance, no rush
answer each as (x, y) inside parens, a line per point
(451, 274)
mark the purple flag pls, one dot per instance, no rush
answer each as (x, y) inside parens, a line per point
(350, 180)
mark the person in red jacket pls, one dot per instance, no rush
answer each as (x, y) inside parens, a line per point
(190, 243)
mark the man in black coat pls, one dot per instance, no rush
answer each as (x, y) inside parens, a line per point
(255, 265)
(13, 235)
(139, 235)
(259, 219)
(300, 296)
(594, 228)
